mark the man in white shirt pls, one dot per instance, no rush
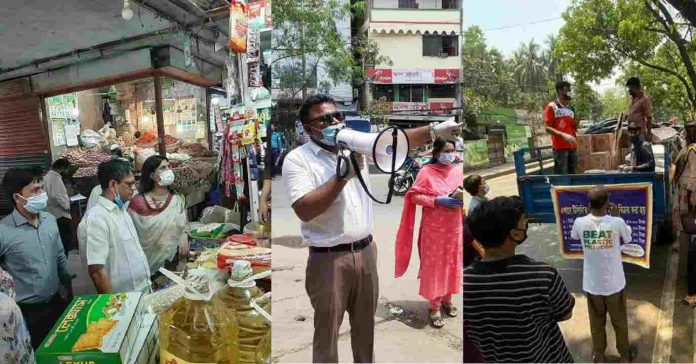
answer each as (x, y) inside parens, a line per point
(113, 253)
(603, 277)
(337, 218)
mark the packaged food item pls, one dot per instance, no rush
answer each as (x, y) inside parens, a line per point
(258, 257)
(238, 26)
(95, 328)
(211, 231)
(196, 328)
(238, 296)
(145, 347)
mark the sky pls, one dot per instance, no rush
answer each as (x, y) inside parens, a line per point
(507, 24)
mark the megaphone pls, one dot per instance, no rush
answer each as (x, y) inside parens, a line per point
(388, 149)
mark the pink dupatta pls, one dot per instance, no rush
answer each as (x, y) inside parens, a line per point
(433, 180)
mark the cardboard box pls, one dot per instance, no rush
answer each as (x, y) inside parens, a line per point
(584, 163)
(625, 142)
(603, 142)
(146, 344)
(601, 160)
(584, 144)
(94, 329)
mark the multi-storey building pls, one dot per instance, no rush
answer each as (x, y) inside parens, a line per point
(422, 40)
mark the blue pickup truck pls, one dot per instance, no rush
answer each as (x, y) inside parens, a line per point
(535, 187)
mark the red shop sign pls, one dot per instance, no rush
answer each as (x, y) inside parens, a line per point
(447, 75)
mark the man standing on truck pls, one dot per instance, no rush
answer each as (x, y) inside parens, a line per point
(559, 118)
(640, 108)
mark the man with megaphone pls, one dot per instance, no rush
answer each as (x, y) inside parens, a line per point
(337, 218)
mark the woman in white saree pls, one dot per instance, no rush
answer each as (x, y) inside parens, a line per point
(159, 216)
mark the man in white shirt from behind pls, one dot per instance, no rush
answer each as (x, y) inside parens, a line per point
(337, 219)
(603, 277)
(116, 261)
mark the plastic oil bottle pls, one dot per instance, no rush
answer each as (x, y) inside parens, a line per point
(241, 288)
(196, 328)
(263, 352)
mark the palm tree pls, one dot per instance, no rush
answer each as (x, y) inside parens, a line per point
(551, 61)
(529, 69)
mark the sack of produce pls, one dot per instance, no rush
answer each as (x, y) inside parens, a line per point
(90, 138)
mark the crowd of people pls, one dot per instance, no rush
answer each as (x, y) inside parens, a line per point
(126, 235)
(511, 303)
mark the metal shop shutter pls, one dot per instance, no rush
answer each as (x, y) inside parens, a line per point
(21, 130)
(23, 142)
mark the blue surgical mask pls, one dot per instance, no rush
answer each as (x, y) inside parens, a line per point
(36, 204)
(329, 134)
(446, 158)
(118, 200)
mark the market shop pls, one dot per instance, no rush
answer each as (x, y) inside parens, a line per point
(209, 117)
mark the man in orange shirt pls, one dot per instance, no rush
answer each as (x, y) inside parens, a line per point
(640, 108)
(559, 118)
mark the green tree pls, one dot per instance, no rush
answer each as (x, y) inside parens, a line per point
(529, 70)
(586, 102)
(614, 101)
(305, 37)
(601, 35)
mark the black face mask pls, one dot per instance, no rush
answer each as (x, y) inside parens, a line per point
(526, 228)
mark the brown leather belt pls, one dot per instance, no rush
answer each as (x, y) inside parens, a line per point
(350, 247)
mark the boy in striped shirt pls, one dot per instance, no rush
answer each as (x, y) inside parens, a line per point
(511, 303)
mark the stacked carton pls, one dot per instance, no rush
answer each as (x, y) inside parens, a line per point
(598, 151)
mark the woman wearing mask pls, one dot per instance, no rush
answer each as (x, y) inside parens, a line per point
(159, 216)
(15, 346)
(684, 210)
(440, 236)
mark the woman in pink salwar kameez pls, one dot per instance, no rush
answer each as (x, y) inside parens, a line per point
(440, 235)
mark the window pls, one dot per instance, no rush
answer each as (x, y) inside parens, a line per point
(442, 91)
(440, 46)
(449, 4)
(383, 91)
(411, 93)
(408, 4)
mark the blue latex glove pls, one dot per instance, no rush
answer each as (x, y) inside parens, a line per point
(449, 202)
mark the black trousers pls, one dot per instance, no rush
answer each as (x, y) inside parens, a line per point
(41, 317)
(565, 161)
(66, 234)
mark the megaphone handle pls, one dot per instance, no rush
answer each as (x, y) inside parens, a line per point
(358, 173)
(342, 159)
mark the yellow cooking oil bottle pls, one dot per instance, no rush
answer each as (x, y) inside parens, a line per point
(241, 289)
(196, 328)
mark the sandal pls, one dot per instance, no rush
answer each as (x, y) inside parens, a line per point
(450, 310)
(632, 354)
(436, 320)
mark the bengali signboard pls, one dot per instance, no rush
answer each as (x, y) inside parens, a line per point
(412, 76)
(634, 202)
(409, 106)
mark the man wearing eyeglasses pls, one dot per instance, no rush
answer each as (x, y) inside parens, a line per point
(337, 221)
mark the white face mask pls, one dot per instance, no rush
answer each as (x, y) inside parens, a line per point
(486, 189)
(36, 204)
(166, 178)
(446, 158)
